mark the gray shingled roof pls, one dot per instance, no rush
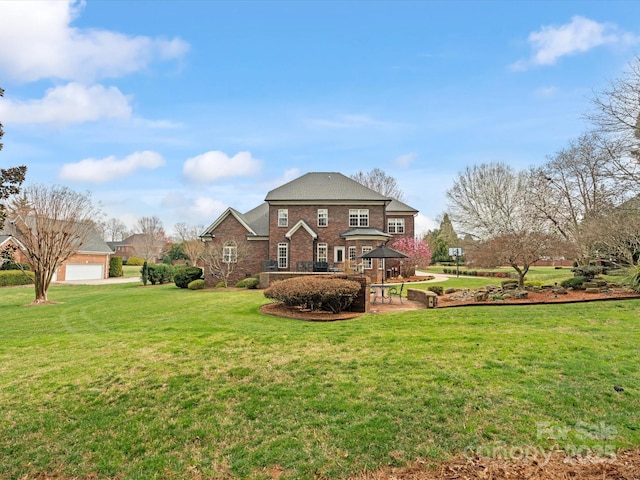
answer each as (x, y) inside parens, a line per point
(94, 244)
(258, 219)
(398, 206)
(323, 186)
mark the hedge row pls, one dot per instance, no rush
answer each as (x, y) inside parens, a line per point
(315, 293)
(9, 278)
(476, 273)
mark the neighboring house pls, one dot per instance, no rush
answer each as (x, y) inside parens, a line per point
(320, 221)
(91, 262)
(140, 245)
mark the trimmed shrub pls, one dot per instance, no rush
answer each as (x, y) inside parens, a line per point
(115, 267)
(250, 282)
(437, 289)
(15, 266)
(196, 284)
(185, 275)
(9, 278)
(588, 271)
(220, 284)
(135, 261)
(160, 273)
(314, 293)
(573, 282)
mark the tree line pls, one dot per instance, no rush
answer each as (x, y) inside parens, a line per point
(583, 203)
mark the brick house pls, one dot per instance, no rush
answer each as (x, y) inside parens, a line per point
(90, 262)
(318, 222)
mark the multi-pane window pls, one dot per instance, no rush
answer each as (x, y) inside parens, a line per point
(323, 255)
(230, 253)
(283, 255)
(358, 217)
(323, 217)
(352, 253)
(396, 225)
(283, 217)
(367, 262)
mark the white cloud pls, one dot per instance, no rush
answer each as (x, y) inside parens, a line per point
(405, 160)
(214, 165)
(423, 224)
(49, 47)
(110, 168)
(580, 35)
(347, 121)
(71, 103)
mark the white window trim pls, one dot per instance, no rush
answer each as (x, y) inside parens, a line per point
(283, 260)
(360, 214)
(336, 254)
(283, 217)
(230, 253)
(396, 225)
(322, 247)
(325, 217)
(367, 262)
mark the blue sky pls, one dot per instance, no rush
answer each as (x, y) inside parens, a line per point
(182, 108)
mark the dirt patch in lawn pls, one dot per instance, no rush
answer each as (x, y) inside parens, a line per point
(624, 465)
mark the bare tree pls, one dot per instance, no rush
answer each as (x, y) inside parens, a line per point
(617, 115)
(574, 186)
(51, 223)
(222, 256)
(114, 230)
(380, 182)
(189, 238)
(490, 200)
(519, 251)
(150, 240)
(10, 179)
(615, 234)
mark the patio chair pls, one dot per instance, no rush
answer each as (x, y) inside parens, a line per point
(394, 291)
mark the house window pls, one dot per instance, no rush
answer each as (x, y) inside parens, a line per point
(338, 254)
(230, 253)
(396, 225)
(352, 253)
(283, 217)
(323, 217)
(359, 217)
(367, 262)
(323, 255)
(283, 255)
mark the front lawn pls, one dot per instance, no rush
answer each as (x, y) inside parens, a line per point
(159, 382)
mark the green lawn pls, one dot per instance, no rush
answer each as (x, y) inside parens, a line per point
(132, 382)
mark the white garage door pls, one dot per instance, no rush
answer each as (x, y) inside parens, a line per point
(84, 272)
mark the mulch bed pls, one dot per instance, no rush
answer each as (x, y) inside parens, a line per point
(533, 298)
(282, 310)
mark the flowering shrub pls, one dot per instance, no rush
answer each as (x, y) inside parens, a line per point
(315, 293)
(417, 250)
